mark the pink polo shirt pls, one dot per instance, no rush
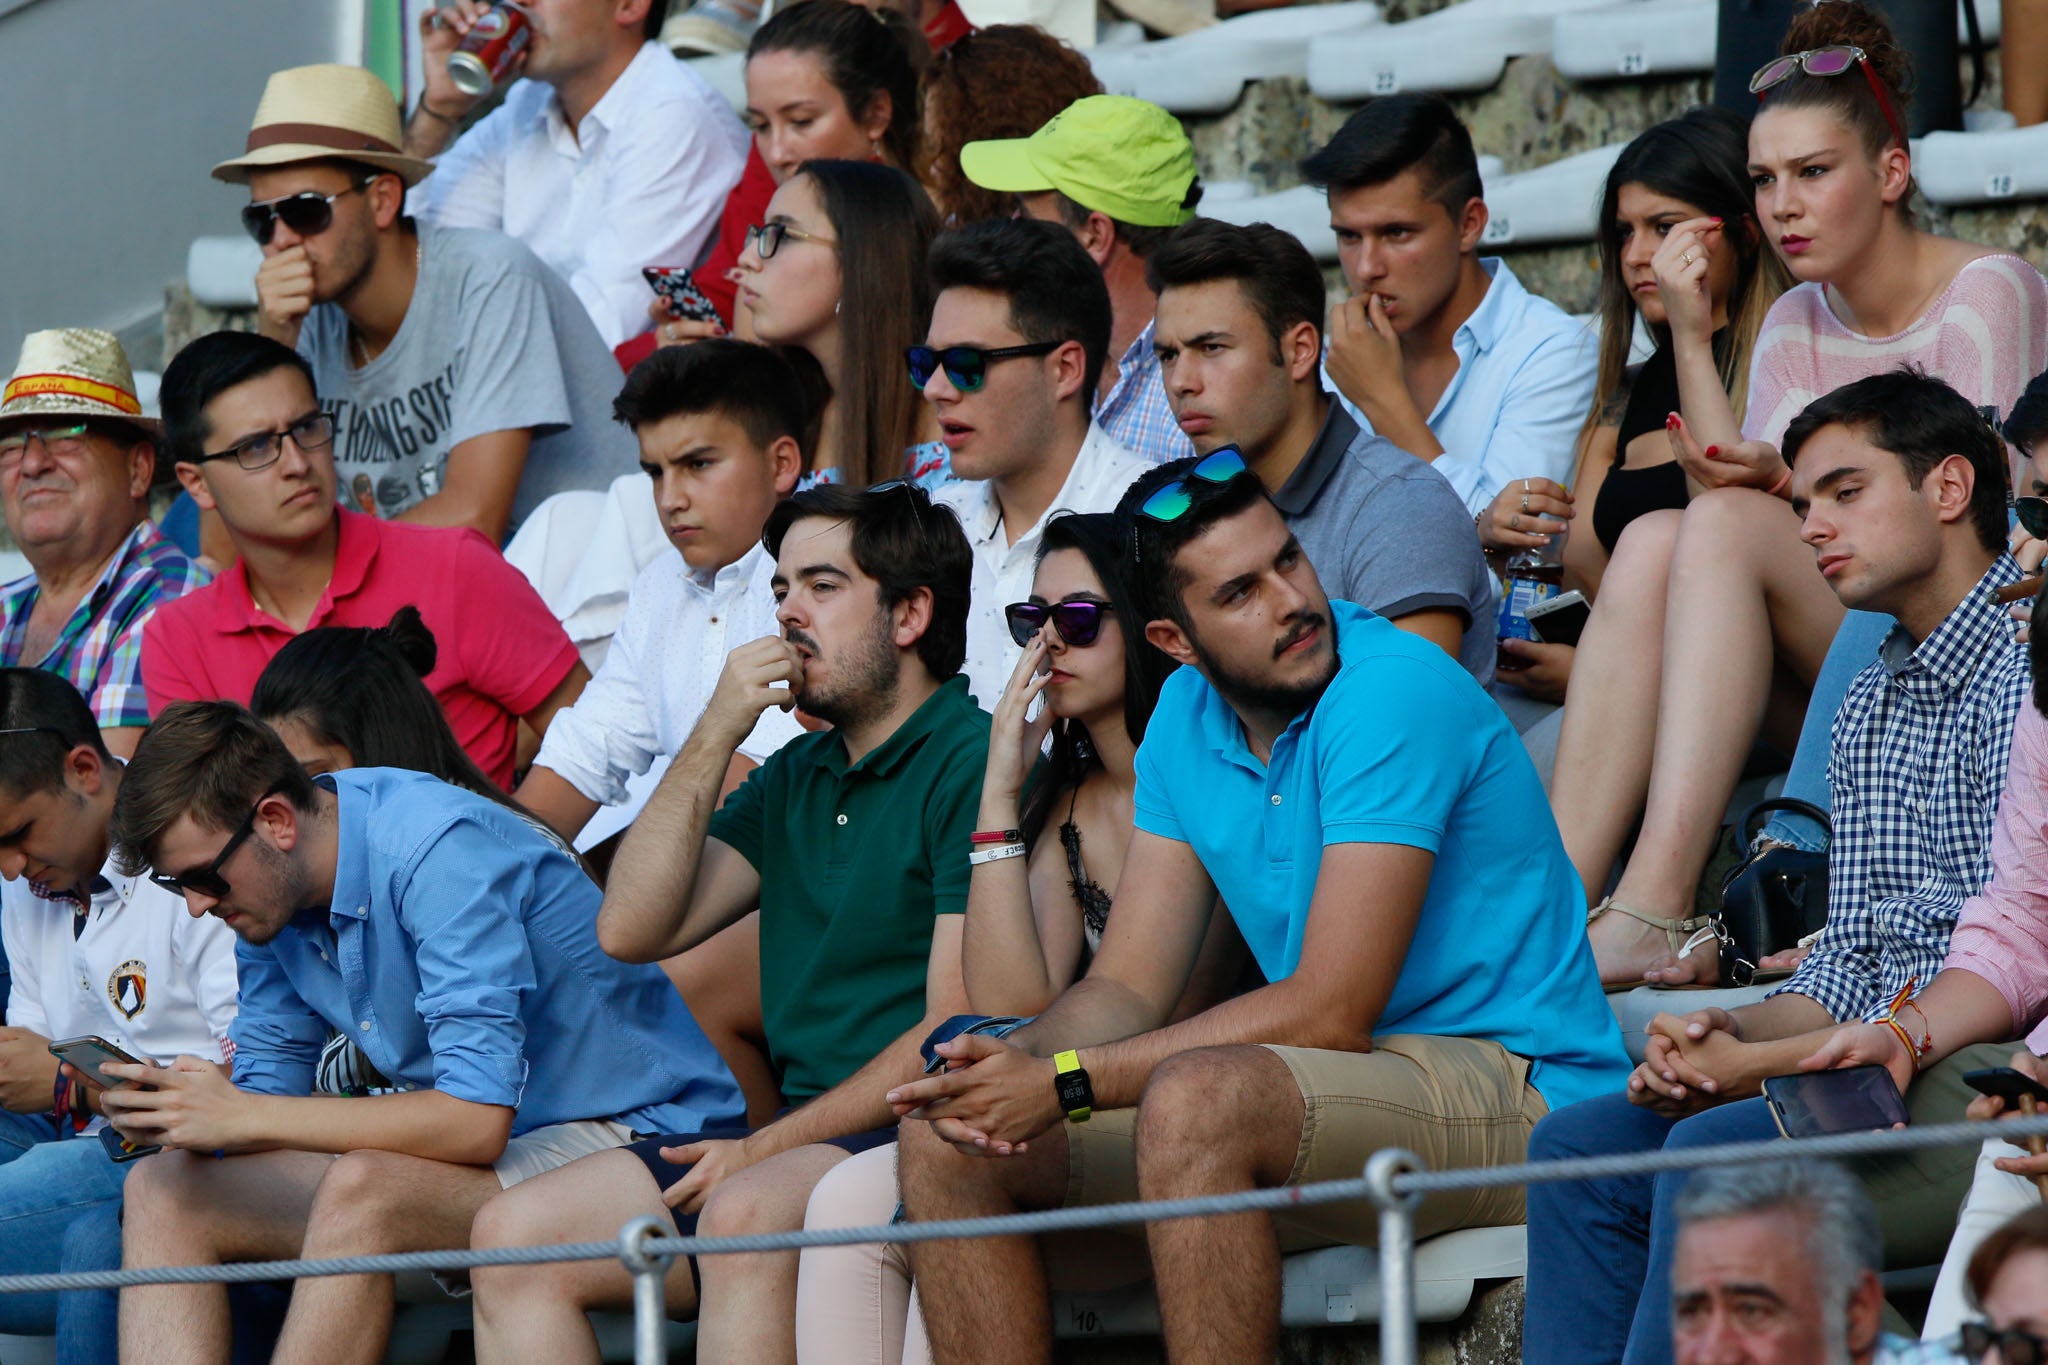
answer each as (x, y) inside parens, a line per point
(2002, 934)
(501, 651)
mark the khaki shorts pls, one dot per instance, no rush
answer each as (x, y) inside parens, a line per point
(1452, 1101)
(558, 1144)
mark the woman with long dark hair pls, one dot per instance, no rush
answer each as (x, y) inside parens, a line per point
(1689, 168)
(836, 272)
(1031, 921)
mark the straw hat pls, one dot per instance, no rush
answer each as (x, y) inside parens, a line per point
(312, 112)
(73, 372)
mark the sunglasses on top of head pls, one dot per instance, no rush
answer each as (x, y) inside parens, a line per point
(1827, 61)
(966, 366)
(307, 213)
(1079, 622)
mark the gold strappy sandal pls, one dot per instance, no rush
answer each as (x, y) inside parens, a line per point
(1680, 935)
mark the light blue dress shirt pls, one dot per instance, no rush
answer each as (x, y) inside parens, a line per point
(460, 953)
(1403, 747)
(1522, 391)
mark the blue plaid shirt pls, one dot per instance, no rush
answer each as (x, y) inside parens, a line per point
(1134, 410)
(1917, 765)
(99, 650)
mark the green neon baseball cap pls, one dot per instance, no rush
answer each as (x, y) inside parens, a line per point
(1113, 154)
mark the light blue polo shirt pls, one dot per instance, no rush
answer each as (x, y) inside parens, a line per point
(1402, 748)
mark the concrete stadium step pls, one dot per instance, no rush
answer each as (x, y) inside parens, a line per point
(1332, 1286)
(1463, 48)
(1206, 71)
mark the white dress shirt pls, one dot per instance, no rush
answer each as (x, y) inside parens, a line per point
(142, 973)
(1003, 568)
(663, 664)
(640, 182)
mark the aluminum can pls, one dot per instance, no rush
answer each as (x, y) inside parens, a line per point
(490, 48)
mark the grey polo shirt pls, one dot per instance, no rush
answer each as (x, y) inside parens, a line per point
(1386, 531)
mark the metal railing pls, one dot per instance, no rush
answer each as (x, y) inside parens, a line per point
(1395, 1181)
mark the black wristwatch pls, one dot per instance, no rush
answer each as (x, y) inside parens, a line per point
(1070, 1083)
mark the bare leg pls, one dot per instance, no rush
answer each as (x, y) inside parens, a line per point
(2023, 56)
(749, 1311)
(1215, 1120)
(536, 1312)
(1744, 596)
(720, 980)
(370, 1203)
(1610, 720)
(181, 1209)
(985, 1300)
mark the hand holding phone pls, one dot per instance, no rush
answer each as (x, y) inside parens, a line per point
(1560, 619)
(1854, 1099)
(685, 299)
(88, 1054)
(2020, 1093)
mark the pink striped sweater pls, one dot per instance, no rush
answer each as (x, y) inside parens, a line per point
(1986, 334)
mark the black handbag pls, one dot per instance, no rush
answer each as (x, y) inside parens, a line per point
(1775, 897)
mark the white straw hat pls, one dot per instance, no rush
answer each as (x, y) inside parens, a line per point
(311, 113)
(73, 372)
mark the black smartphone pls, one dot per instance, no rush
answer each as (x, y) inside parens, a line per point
(673, 283)
(88, 1054)
(121, 1149)
(2007, 1084)
(1854, 1099)
(1559, 620)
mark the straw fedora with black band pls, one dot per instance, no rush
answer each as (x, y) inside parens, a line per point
(78, 373)
(325, 112)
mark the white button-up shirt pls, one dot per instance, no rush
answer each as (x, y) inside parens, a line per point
(142, 973)
(659, 673)
(1003, 568)
(640, 182)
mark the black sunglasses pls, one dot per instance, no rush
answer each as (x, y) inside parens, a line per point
(966, 366)
(2015, 1347)
(2032, 515)
(207, 880)
(307, 213)
(1078, 622)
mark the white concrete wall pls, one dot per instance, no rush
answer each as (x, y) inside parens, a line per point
(111, 113)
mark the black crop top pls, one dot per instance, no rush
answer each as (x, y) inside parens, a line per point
(1626, 494)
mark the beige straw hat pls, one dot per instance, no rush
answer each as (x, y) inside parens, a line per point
(73, 372)
(313, 112)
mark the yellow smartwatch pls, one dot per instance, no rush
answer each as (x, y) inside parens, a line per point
(1070, 1083)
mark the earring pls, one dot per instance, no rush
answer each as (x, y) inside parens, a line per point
(874, 149)
(836, 305)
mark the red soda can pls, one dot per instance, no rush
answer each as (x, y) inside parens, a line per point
(490, 48)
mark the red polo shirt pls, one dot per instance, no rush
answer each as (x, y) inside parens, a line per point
(501, 651)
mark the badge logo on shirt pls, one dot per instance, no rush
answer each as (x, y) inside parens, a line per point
(128, 987)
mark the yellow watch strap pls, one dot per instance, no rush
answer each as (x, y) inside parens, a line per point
(1063, 1062)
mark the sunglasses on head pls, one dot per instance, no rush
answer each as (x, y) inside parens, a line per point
(1171, 501)
(308, 213)
(1827, 61)
(966, 366)
(1078, 622)
(2015, 1347)
(207, 880)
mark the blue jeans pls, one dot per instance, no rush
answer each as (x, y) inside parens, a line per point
(59, 1201)
(1599, 1281)
(1854, 648)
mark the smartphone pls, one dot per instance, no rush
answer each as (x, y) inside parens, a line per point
(673, 283)
(89, 1054)
(1854, 1099)
(121, 1149)
(2006, 1083)
(1559, 620)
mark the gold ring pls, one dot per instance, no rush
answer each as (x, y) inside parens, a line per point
(1525, 502)
(1687, 258)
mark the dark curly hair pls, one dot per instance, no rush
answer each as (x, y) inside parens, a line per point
(1006, 80)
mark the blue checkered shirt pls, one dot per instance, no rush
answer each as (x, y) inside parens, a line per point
(1134, 410)
(99, 650)
(1916, 767)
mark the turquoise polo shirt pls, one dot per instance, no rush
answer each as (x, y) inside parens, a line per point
(857, 862)
(1402, 748)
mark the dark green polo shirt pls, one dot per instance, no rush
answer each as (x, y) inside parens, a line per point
(855, 861)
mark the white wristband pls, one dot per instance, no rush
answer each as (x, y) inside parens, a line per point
(997, 854)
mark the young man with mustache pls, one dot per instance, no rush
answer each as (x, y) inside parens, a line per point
(1341, 785)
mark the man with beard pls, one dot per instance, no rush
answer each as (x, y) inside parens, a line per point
(1371, 820)
(450, 939)
(853, 843)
